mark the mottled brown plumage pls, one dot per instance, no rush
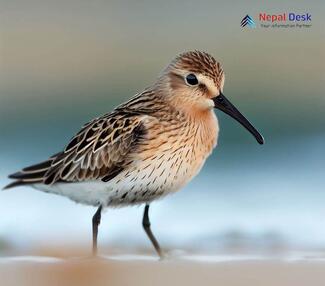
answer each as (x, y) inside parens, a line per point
(159, 119)
(146, 148)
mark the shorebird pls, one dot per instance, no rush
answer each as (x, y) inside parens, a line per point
(146, 148)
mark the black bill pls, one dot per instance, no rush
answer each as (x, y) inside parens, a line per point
(223, 104)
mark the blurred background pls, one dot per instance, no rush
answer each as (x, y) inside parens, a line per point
(64, 62)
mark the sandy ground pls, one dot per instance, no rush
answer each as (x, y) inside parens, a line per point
(293, 270)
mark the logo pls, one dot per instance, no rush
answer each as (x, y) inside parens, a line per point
(247, 21)
(280, 20)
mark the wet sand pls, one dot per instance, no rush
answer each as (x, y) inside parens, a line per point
(242, 270)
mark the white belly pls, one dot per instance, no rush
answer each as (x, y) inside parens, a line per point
(142, 182)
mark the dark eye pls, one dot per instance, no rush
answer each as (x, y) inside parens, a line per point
(191, 79)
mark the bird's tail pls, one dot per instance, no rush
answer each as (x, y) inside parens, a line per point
(30, 175)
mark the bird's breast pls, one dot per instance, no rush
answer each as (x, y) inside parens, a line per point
(171, 155)
(177, 150)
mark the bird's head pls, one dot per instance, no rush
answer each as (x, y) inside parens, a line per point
(194, 82)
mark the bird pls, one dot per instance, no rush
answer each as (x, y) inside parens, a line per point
(146, 148)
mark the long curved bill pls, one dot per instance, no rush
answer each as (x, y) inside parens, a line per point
(223, 104)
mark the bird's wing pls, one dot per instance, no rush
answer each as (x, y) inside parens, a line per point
(101, 150)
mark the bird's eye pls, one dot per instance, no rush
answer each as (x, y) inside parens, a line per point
(191, 79)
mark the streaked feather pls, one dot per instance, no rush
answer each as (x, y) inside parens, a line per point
(99, 150)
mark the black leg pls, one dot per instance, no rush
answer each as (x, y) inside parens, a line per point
(96, 222)
(146, 226)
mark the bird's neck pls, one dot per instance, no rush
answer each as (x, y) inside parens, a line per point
(201, 127)
(208, 128)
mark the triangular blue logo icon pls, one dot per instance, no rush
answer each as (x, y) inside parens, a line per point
(248, 21)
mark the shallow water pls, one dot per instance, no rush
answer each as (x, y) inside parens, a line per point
(146, 270)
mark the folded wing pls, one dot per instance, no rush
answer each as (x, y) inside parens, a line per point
(101, 150)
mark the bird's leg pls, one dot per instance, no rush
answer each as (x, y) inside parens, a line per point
(96, 222)
(146, 226)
